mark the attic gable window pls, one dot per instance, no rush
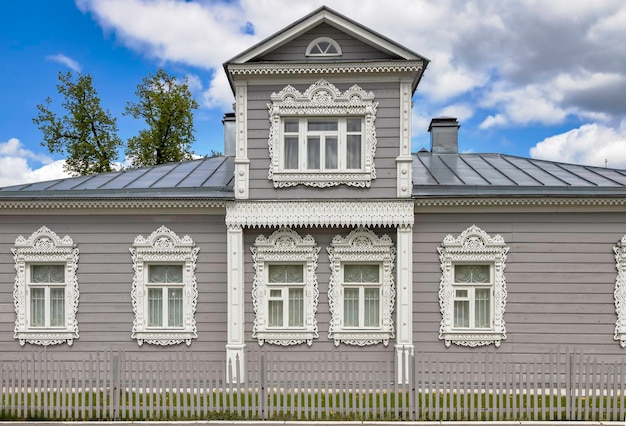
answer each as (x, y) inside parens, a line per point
(323, 46)
(322, 137)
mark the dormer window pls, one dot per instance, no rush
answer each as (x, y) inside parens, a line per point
(322, 137)
(323, 46)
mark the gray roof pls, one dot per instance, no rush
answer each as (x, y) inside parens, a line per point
(204, 178)
(498, 174)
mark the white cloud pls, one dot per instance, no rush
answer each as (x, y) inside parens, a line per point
(497, 120)
(67, 61)
(15, 168)
(460, 111)
(590, 144)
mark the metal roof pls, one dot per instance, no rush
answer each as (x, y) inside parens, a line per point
(498, 174)
(207, 178)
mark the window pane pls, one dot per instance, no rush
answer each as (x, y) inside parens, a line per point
(354, 124)
(275, 313)
(322, 125)
(155, 307)
(296, 307)
(361, 273)
(47, 274)
(291, 152)
(57, 307)
(165, 273)
(353, 152)
(291, 126)
(313, 153)
(175, 307)
(351, 307)
(372, 307)
(472, 274)
(331, 153)
(37, 307)
(285, 273)
(483, 308)
(461, 313)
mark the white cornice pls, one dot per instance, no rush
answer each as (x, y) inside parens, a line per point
(110, 204)
(326, 68)
(261, 214)
(520, 202)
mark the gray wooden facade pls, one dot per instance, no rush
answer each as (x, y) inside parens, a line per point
(559, 222)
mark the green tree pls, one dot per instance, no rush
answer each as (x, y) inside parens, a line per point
(86, 134)
(166, 105)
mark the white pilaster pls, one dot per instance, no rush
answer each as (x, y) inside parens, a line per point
(242, 164)
(404, 297)
(235, 347)
(404, 160)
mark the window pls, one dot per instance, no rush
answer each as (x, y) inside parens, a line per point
(323, 137)
(472, 293)
(620, 291)
(317, 144)
(323, 46)
(164, 291)
(361, 291)
(46, 288)
(284, 292)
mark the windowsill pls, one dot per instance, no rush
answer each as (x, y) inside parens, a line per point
(322, 179)
(164, 337)
(285, 337)
(362, 336)
(46, 336)
(472, 338)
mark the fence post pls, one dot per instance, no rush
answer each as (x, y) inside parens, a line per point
(568, 385)
(263, 396)
(115, 386)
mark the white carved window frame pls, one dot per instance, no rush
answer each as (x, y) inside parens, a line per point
(287, 247)
(322, 99)
(163, 246)
(620, 291)
(45, 247)
(361, 246)
(323, 52)
(472, 246)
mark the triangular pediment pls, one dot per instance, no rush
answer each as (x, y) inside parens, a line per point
(324, 22)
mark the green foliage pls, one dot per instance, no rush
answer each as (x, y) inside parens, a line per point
(166, 105)
(87, 134)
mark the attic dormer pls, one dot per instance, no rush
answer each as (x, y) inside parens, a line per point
(306, 102)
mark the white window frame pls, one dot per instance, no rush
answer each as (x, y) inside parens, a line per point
(164, 247)
(361, 246)
(620, 292)
(331, 43)
(322, 100)
(45, 247)
(284, 246)
(473, 246)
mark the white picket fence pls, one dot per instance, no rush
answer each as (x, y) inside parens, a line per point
(484, 386)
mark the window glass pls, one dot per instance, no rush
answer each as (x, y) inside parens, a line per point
(285, 274)
(371, 307)
(472, 273)
(351, 307)
(57, 307)
(155, 307)
(175, 307)
(296, 307)
(313, 153)
(361, 273)
(323, 125)
(165, 274)
(37, 307)
(47, 274)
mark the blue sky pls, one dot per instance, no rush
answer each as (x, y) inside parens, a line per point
(528, 78)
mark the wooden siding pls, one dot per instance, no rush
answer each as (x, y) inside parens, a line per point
(322, 345)
(560, 274)
(387, 148)
(352, 49)
(105, 274)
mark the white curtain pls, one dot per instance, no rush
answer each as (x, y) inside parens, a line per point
(155, 307)
(175, 307)
(37, 307)
(57, 307)
(372, 307)
(351, 307)
(296, 307)
(482, 308)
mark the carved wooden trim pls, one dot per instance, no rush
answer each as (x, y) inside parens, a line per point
(285, 246)
(45, 246)
(322, 99)
(472, 245)
(163, 245)
(361, 245)
(620, 291)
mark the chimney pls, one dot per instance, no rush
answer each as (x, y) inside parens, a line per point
(229, 134)
(444, 135)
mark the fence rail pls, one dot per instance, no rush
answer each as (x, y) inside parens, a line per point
(484, 386)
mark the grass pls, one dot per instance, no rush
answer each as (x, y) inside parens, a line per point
(303, 405)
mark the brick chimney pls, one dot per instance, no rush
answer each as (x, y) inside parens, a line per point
(444, 135)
